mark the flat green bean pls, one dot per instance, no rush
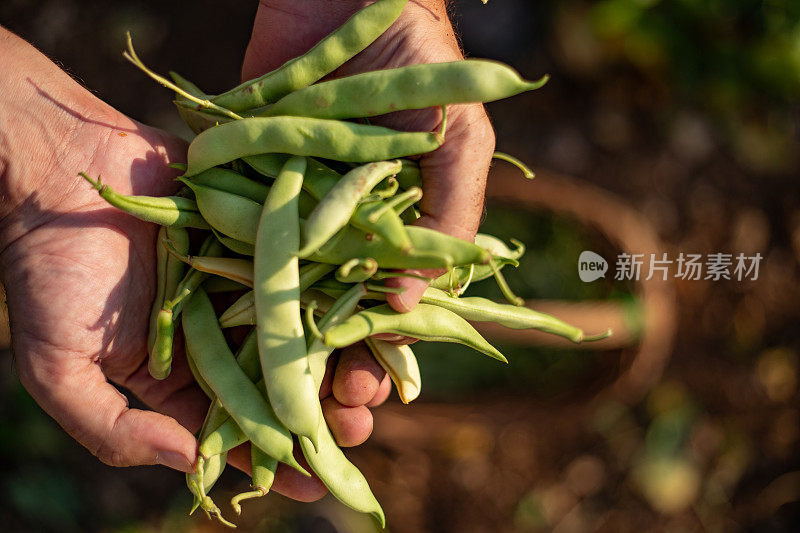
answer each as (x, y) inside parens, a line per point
(173, 211)
(329, 139)
(281, 342)
(511, 316)
(409, 87)
(344, 306)
(339, 475)
(425, 322)
(206, 346)
(358, 32)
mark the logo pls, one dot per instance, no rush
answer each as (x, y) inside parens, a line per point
(591, 266)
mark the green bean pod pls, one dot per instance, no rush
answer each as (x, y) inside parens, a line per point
(409, 87)
(358, 32)
(410, 175)
(511, 316)
(337, 207)
(206, 346)
(425, 322)
(432, 249)
(228, 213)
(173, 211)
(211, 247)
(197, 119)
(329, 139)
(340, 476)
(169, 272)
(281, 341)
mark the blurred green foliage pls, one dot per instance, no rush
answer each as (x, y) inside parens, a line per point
(736, 60)
(722, 54)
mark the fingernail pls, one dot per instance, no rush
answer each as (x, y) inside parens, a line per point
(174, 460)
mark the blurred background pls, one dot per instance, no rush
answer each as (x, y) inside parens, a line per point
(668, 126)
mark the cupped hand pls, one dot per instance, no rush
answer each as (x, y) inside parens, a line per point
(454, 176)
(80, 277)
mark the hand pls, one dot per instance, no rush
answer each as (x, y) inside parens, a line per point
(79, 276)
(454, 176)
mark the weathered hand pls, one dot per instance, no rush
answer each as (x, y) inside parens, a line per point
(454, 176)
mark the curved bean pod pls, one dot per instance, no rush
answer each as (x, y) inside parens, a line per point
(281, 342)
(169, 272)
(173, 211)
(343, 479)
(358, 32)
(329, 139)
(511, 316)
(425, 322)
(337, 207)
(228, 213)
(410, 87)
(400, 363)
(432, 249)
(206, 346)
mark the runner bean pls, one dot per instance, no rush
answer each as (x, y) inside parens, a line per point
(329, 139)
(424, 322)
(206, 346)
(281, 343)
(358, 32)
(409, 87)
(164, 210)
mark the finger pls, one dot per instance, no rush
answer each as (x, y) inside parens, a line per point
(350, 426)
(75, 393)
(382, 395)
(288, 481)
(358, 376)
(279, 35)
(454, 183)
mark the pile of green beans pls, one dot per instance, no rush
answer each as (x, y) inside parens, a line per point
(305, 214)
